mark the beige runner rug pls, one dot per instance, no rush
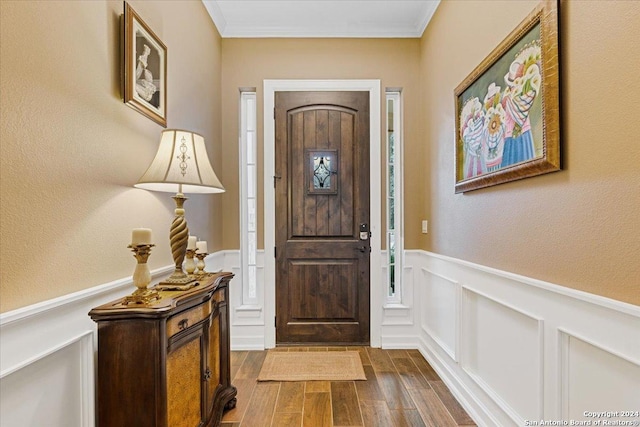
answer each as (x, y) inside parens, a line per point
(312, 366)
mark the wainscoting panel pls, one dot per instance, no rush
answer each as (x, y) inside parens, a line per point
(53, 390)
(247, 320)
(398, 328)
(503, 353)
(441, 298)
(396, 316)
(584, 364)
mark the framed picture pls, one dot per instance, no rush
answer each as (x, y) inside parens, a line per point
(145, 68)
(508, 108)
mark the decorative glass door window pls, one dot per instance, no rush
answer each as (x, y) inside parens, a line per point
(322, 172)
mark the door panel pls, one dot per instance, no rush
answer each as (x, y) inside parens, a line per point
(322, 281)
(329, 212)
(322, 197)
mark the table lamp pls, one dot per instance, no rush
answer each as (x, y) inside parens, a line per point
(182, 166)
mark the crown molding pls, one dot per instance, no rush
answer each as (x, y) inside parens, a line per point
(235, 29)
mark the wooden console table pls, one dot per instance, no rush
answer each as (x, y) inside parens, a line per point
(166, 364)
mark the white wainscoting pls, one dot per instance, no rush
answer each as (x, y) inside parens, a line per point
(55, 388)
(503, 353)
(247, 320)
(590, 373)
(513, 349)
(439, 295)
(397, 329)
(47, 357)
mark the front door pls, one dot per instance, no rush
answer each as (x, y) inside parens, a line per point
(322, 217)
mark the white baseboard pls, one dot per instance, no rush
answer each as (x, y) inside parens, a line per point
(400, 342)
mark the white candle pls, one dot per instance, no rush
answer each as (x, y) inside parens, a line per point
(141, 236)
(192, 242)
(201, 247)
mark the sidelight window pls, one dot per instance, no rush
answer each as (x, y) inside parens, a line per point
(395, 241)
(248, 198)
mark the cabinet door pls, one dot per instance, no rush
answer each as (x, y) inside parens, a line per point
(184, 379)
(213, 357)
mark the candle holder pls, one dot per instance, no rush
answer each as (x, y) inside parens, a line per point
(201, 256)
(142, 277)
(190, 264)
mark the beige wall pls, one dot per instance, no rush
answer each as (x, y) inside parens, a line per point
(71, 149)
(580, 227)
(247, 62)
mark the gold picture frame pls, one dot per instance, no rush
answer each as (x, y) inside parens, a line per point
(508, 108)
(145, 68)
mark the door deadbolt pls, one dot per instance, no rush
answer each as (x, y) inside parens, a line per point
(364, 231)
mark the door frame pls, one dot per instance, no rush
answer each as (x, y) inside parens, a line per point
(375, 201)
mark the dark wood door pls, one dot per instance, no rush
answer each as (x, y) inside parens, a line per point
(322, 206)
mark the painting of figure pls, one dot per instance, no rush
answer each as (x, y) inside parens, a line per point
(498, 112)
(145, 69)
(507, 109)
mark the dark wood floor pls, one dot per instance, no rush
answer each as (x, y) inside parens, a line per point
(401, 390)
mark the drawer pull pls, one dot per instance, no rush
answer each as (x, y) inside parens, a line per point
(207, 374)
(187, 319)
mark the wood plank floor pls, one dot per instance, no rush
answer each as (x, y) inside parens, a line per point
(401, 390)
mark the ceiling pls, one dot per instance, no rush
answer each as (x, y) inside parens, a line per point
(321, 18)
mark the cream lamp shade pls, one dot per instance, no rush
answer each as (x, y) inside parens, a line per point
(181, 165)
